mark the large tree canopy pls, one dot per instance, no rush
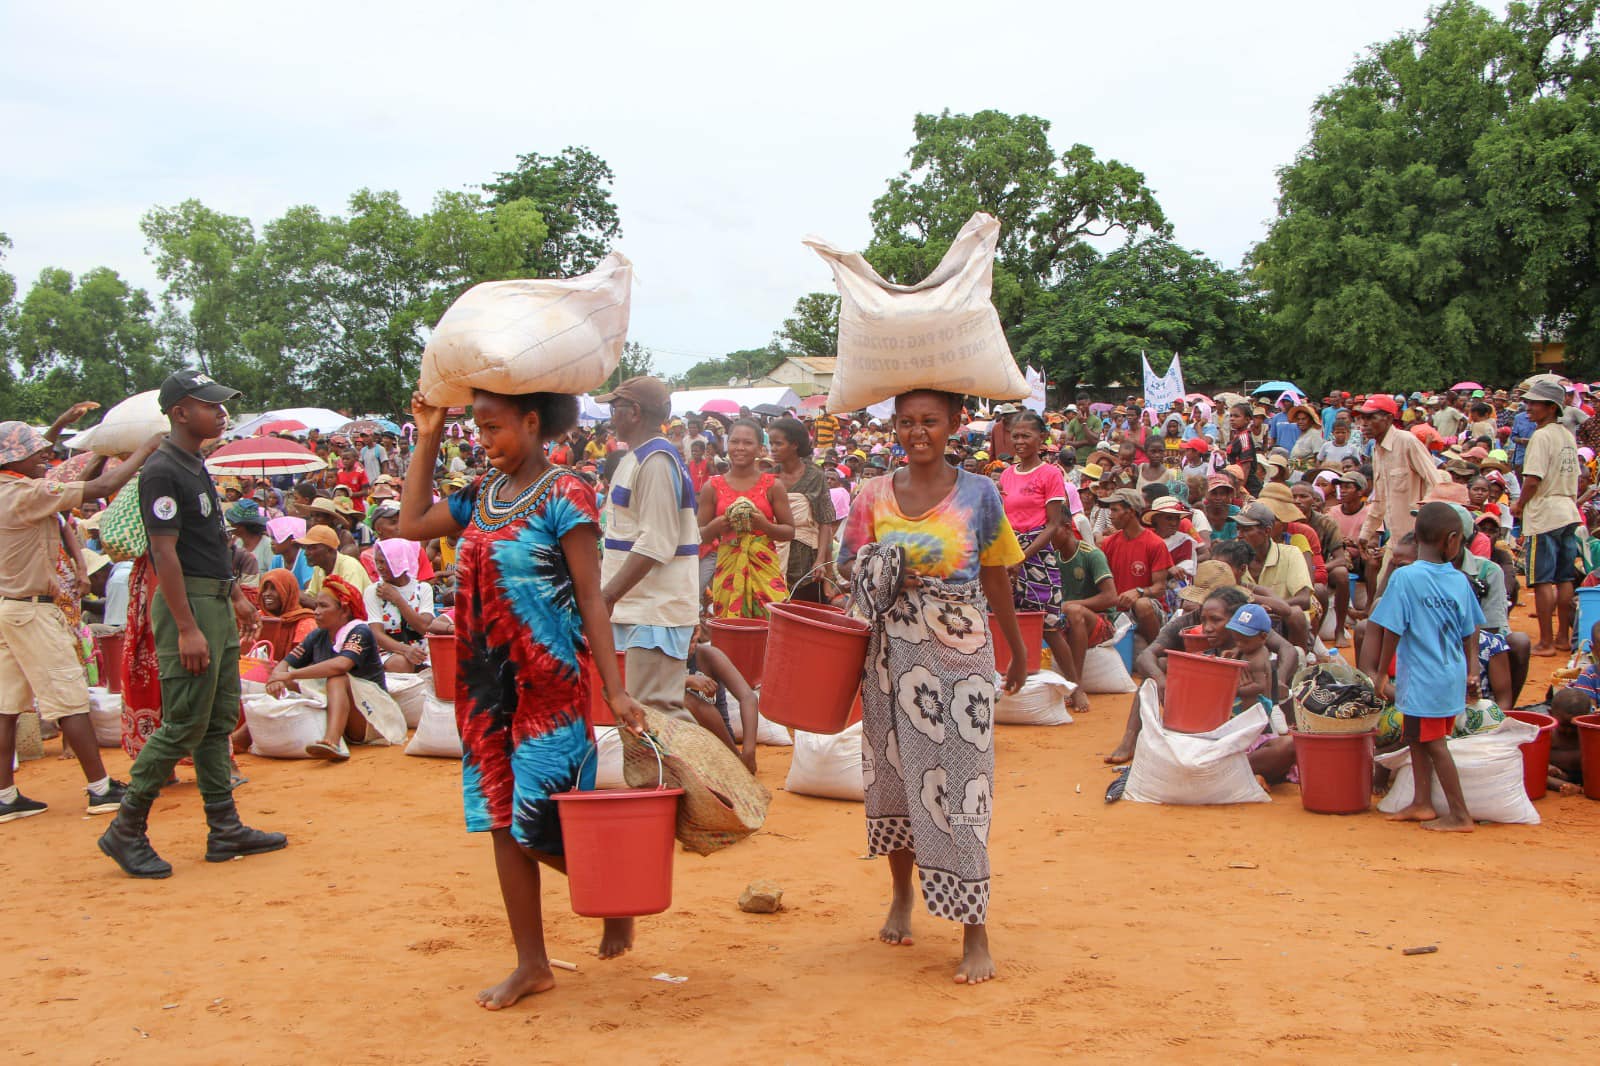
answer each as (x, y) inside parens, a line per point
(1445, 205)
(572, 193)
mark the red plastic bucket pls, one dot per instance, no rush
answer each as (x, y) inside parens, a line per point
(1335, 770)
(109, 648)
(618, 846)
(442, 658)
(1589, 752)
(1200, 691)
(1032, 625)
(599, 709)
(1195, 641)
(1536, 752)
(744, 641)
(812, 675)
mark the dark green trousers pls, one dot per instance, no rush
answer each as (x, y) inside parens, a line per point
(198, 711)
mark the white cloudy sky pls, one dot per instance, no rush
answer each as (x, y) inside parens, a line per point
(734, 129)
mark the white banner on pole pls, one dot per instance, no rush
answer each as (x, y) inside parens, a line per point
(1035, 400)
(1160, 393)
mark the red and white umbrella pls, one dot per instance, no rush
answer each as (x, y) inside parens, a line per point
(262, 456)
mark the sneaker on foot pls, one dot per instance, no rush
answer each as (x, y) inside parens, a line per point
(108, 803)
(21, 807)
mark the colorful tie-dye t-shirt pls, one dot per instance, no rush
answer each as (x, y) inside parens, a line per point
(965, 530)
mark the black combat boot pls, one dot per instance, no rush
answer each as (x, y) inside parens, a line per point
(229, 839)
(125, 841)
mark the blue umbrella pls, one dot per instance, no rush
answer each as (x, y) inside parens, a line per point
(1278, 386)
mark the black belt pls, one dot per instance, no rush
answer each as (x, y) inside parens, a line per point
(29, 599)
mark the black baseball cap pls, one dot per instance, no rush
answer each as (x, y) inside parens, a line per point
(193, 383)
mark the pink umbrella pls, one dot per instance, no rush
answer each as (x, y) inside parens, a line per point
(283, 425)
(720, 407)
(1465, 386)
(263, 455)
(814, 403)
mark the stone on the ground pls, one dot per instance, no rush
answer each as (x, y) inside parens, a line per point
(761, 897)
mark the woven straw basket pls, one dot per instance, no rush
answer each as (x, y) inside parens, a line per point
(722, 803)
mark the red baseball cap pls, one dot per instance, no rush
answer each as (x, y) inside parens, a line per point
(1199, 444)
(1385, 404)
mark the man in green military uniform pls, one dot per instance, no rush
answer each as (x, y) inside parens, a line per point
(197, 616)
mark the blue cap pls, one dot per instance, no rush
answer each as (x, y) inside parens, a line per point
(1251, 620)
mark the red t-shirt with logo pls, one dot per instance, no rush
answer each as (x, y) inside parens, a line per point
(1134, 561)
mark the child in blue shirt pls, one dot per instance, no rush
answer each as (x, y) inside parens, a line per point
(1430, 618)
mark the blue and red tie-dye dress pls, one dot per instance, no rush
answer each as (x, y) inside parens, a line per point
(521, 690)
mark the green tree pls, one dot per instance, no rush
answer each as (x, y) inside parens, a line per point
(1441, 208)
(636, 361)
(1150, 297)
(10, 405)
(1048, 205)
(813, 328)
(90, 338)
(740, 366)
(572, 193)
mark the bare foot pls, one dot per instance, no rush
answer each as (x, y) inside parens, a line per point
(897, 926)
(1080, 700)
(1417, 812)
(523, 981)
(1123, 754)
(616, 938)
(977, 965)
(1544, 651)
(1450, 824)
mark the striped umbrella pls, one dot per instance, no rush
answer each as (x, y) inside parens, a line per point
(263, 456)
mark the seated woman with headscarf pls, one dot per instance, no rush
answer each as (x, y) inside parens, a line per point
(399, 605)
(339, 661)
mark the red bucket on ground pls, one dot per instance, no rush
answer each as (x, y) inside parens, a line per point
(812, 674)
(1536, 752)
(442, 658)
(109, 649)
(1195, 641)
(599, 709)
(744, 641)
(1335, 770)
(1589, 752)
(1200, 691)
(619, 847)
(1032, 625)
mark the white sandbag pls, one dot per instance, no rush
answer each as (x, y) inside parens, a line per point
(281, 728)
(608, 755)
(767, 731)
(436, 735)
(409, 690)
(124, 427)
(1042, 700)
(828, 766)
(1103, 671)
(941, 333)
(1192, 769)
(105, 713)
(1330, 625)
(1490, 765)
(530, 335)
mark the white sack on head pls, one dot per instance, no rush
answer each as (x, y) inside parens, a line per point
(941, 333)
(125, 427)
(530, 335)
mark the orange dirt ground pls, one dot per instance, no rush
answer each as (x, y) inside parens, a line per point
(1258, 933)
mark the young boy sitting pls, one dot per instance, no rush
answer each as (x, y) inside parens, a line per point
(1249, 627)
(1565, 773)
(1428, 618)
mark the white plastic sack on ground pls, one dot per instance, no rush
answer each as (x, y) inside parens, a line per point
(1042, 700)
(1490, 765)
(1103, 671)
(105, 713)
(281, 728)
(827, 766)
(124, 427)
(408, 691)
(1330, 625)
(608, 754)
(941, 333)
(436, 733)
(767, 731)
(530, 335)
(1193, 769)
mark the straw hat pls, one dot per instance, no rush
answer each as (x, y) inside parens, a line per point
(1309, 411)
(1166, 505)
(1209, 576)
(1093, 471)
(1280, 500)
(323, 505)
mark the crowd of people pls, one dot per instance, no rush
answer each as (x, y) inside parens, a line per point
(1395, 531)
